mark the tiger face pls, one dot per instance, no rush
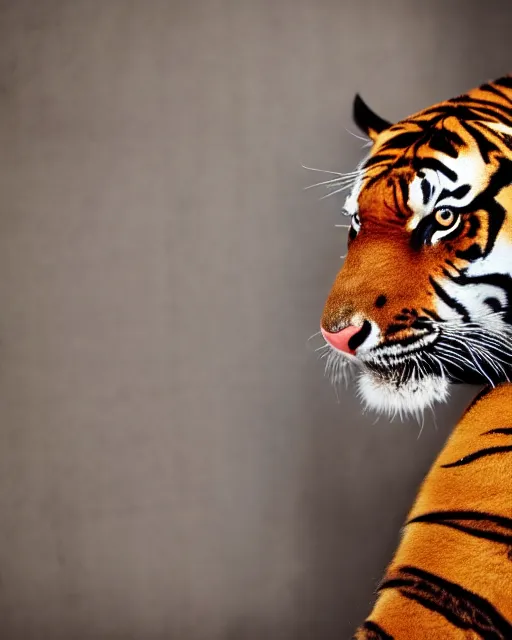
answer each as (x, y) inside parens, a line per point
(423, 298)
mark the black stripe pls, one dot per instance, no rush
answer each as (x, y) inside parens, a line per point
(493, 109)
(402, 140)
(463, 112)
(476, 455)
(493, 303)
(498, 280)
(492, 89)
(453, 266)
(439, 142)
(373, 631)
(501, 430)
(454, 137)
(486, 200)
(451, 302)
(421, 323)
(463, 521)
(471, 112)
(501, 113)
(432, 314)
(472, 253)
(395, 328)
(378, 158)
(369, 182)
(461, 607)
(397, 210)
(474, 225)
(457, 193)
(506, 81)
(484, 145)
(404, 189)
(496, 217)
(436, 165)
(404, 342)
(426, 190)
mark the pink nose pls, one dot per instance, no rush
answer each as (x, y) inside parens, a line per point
(341, 339)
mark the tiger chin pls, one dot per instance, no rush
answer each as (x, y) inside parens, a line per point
(422, 301)
(410, 397)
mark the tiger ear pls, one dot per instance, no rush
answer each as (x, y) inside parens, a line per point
(367, 120)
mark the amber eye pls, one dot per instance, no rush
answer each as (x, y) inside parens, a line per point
(445, 217)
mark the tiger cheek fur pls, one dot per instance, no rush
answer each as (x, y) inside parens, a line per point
(423, 300)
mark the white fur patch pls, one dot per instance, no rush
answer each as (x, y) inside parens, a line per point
(351, 202)
(411, 397)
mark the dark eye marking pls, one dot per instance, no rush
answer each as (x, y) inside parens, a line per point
(426, 190)
(457, 193)
(404, 189)
(471, 253)
(474, 225)
(443, 223)
(436, 165)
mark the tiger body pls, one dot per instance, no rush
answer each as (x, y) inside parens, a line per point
(422, 301)
(451, 576)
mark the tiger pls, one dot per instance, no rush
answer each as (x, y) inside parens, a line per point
(423, 301)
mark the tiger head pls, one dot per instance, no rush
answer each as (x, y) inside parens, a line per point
(424, 297)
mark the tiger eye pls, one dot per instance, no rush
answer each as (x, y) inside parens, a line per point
(445, 217)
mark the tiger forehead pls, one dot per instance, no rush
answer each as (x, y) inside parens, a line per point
(443, 132)
(412, 186)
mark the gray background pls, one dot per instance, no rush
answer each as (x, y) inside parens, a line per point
(173, 465)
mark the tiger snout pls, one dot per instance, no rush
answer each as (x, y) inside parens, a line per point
(368, 304)
(348, 338)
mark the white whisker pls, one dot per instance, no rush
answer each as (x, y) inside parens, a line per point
(345, 179)
(364, 139)
(334, 173)
(332, 193)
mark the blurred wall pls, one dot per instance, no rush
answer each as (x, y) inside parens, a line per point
(173, 465)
